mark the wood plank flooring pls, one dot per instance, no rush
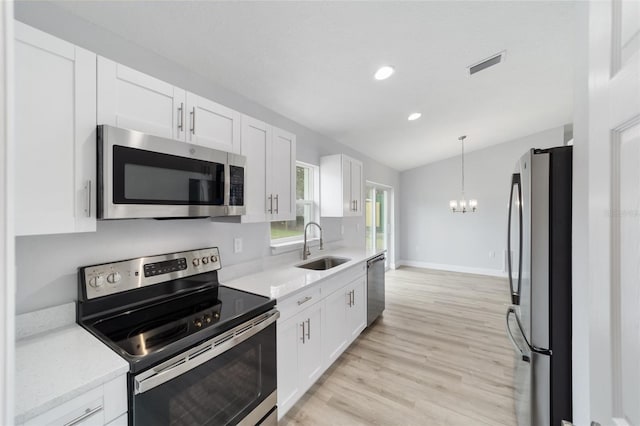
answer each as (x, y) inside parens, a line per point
(438, 356)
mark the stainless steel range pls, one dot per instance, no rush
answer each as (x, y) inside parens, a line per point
(199, 353)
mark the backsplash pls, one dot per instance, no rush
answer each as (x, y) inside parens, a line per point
(46, 265)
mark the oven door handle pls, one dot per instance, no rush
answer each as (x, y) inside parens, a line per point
(191, 359)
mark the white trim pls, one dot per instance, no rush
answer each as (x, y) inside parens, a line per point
(7, 242)
(452, 268)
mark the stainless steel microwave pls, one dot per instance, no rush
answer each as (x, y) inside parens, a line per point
(144, 176)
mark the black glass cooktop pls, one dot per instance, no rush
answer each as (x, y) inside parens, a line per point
(141, 332)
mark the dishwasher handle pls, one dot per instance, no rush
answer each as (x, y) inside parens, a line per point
(375, 260)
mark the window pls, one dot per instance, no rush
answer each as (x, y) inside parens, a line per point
(306, 206)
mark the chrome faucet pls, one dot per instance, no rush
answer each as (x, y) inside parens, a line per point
(305, 249)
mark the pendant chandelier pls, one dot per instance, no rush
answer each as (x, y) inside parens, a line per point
(461, 205)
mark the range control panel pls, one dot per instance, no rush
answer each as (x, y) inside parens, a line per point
(109, 278)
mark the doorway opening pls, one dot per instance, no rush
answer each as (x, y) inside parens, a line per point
(378, 219)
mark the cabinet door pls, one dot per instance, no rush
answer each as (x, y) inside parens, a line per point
(133, 100)
(347, 200)
(55, 101)
(334, 330)
(357, 312)
(356, 187)
(254, 142)
(283, 174)
(310, 355)
(212, 125)
(289, 334)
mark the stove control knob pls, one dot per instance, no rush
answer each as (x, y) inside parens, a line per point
(214, 258)
(207, 319)
(114, 278)
(205, 260)
(216, 315)
(97, 281)
(196, 262)
(197, 322)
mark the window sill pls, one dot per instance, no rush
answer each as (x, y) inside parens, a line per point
(289, 246)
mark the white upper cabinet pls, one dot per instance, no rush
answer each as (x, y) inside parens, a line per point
(341, 180)
(212, 125)
(271, 167)
(55, 110)
(283, 174)
(133, 100)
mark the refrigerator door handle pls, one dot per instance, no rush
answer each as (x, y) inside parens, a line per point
(532, 348)
(525, 357)
(515, 294)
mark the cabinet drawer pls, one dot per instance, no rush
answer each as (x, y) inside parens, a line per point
(296, 303)
(86, 409)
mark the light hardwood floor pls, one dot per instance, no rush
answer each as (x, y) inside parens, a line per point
(439, 355)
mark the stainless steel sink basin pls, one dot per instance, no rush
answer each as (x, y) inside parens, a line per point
(324, 263)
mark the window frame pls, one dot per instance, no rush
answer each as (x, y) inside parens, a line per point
(314, 177)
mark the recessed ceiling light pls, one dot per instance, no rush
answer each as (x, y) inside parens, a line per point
(414, 116)
(384, 72)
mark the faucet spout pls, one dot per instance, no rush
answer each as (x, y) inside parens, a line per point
(305, 249)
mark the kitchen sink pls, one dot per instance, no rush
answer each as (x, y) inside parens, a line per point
(324, 263)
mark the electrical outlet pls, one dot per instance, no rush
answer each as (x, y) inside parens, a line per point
(492, 254)
(237, 245)
(341, 229)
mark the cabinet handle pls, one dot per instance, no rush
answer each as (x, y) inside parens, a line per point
(277, 205)
(353, 298)
(349, 302)
(193, 120)
(356, 205)
(305, 300)
(87, 413)
(181, 117)
(308, 328)
(302, 325)
(270, 210)
(87, 190)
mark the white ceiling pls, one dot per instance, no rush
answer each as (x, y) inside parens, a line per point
(314, 62)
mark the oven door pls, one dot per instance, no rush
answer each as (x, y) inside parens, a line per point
(142, 176)
(230, 379)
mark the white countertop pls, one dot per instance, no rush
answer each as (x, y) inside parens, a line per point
(283, 281)
(55, 366)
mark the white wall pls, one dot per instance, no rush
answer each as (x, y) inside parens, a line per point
(432, 236)
(52, 280)
(7, 279)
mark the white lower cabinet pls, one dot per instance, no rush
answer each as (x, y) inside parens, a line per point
(300, 358)
(105, 404)
(346, 317)
(315, 328)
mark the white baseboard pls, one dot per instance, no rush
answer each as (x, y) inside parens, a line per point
(453, 268)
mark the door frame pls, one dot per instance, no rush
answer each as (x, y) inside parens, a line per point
(604, 109)
(7, 242)
(390, 263)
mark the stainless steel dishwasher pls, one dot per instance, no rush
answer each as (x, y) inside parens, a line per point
(375, 288)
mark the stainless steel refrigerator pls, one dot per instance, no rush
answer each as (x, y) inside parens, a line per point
(539, 264)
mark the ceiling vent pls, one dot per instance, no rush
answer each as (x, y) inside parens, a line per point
(486, 63)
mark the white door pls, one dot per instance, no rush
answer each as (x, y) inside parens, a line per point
(133, 100)
(609, 157)
(356, 187)
(289, 334)
(254, 143)
(310, 354)
(55, 122)
(212, 125)
(334, 330)
(283, 175)
(357, 311)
